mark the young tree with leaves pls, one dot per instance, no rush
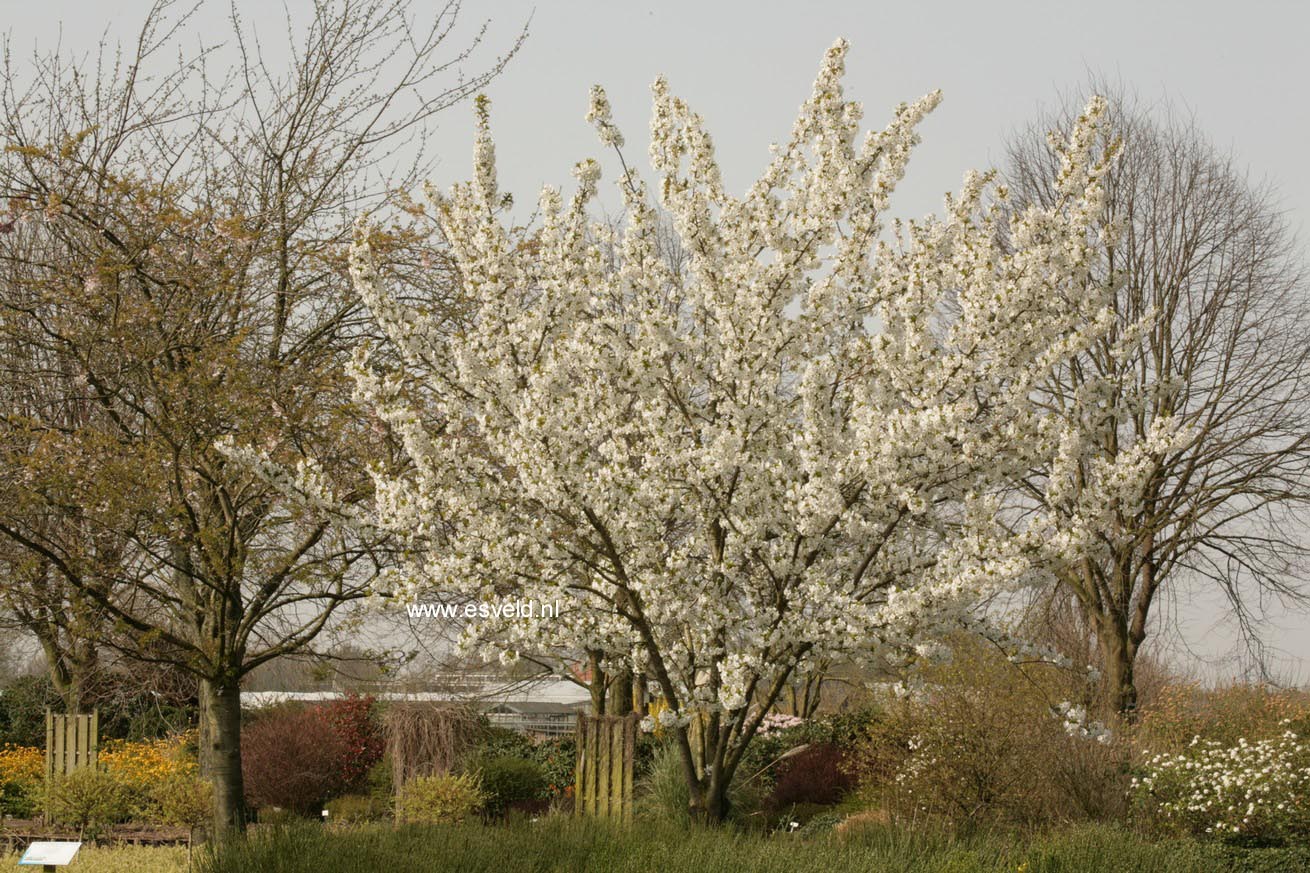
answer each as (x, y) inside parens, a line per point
(177, 263)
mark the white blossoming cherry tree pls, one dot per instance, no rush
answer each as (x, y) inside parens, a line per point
(793, 447)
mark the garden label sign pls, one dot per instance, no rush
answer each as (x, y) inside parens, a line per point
(50, 854)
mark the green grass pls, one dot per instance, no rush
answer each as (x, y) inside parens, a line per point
(573, 846)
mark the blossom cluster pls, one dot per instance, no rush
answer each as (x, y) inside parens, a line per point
(1249, 790)
(1076, 723)
(779, 721)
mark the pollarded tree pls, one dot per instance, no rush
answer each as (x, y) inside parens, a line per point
(789, 452)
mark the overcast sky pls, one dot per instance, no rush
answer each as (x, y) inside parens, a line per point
(1242, 69)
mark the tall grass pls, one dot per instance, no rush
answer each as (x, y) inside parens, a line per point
(578, 846)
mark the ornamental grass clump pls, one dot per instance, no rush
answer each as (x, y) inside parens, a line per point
(1249, 792)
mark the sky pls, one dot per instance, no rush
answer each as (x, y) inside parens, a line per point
(1241, 70)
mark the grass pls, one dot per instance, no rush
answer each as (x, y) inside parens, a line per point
(564, 844)
(127, 859)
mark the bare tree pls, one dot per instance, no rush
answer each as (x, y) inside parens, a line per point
(174, 270)
(1204, 259)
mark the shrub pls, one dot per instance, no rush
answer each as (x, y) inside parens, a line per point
(354, 808)
(1249, 792)
(88, 798)
(989, 741)
(440, 799)
(506, 780)
(144, 767)
(292, 759)
(141, 765)
(22, 709)
(182, 800)
(817, 774)
(22, 771)
(427, 739)
(497, 742)
(1180, 712)
(354, 719)
(378, 781)
(558, 758)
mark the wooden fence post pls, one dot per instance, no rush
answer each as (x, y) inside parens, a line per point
(603, 777)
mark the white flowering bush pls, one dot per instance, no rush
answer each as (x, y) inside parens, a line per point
(789, 448)
(1249, 791)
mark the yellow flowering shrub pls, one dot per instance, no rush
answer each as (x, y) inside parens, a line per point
(21, 765)
(143, 765)
(22, 772)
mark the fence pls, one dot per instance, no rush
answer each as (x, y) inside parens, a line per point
(71, 741)
(602, 784)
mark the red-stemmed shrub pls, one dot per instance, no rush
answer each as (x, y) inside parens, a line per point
(293, 759)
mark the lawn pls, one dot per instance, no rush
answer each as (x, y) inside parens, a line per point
(573, 846)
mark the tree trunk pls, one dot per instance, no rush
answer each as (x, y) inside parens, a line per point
(709, 801)
(597, 686)
(1117, 657)
(619, 696)
(220, 752)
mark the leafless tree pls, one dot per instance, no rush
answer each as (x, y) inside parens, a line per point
(1204, 256)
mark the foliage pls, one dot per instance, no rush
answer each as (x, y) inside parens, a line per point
(1179, 712)
(22, 709)
(495, 741)
(1249, 791)
(987, 741)
(354, 808)
(440, 799)
(507, 780)
(293, 759)
(182, 800)
(564, 843)
(88, 798)
(558, 757)
(356, 722)
(817, 774)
